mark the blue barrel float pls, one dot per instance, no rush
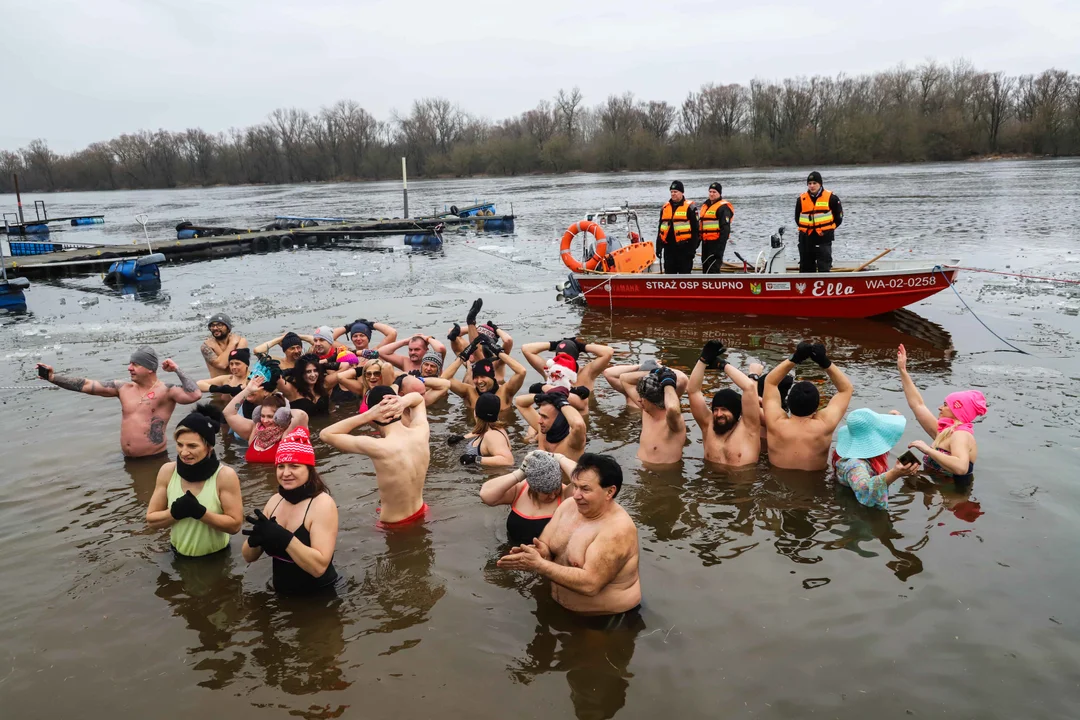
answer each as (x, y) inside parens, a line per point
(36, 229)
(75, 222)
(423, 239)
(11, 293)
(135, 270)
(22, 249)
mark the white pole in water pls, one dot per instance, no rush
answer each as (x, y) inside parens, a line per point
(405, 185)
(142, 219)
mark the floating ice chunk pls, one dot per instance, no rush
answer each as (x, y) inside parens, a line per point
(348, 273)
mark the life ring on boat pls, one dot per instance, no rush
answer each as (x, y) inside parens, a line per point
(583, 226)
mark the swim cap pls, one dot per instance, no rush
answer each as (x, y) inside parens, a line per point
(803, 398)
(432, 357)
(542, 472)
(296, 448)
(483, 368)
(649, 388)
(146, 357)
(488, 406)
(677, 185)
(220, 318)
(241, 354)
(729, 400)
(291, 339)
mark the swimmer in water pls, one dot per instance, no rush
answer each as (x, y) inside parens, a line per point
(483, 374)
(495, 336)
(567, 355)
(534, 492)
(556, 424)
(216, 348)
(663, 430)
(306, 387)
(801, 440)
(291, 345)
(233, 383)
(197, 496)
(953, 450)
(146, 403)
(731, 429)
(361, 380)
(298, 526)
(614, 376)
(421, 350)
(401, 456)
(488, 444)
(360, 331)
(271, 421)
(589, 550)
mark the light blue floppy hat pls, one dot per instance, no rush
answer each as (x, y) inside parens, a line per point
(868, 434)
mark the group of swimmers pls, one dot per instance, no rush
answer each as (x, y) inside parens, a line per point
(587, 548)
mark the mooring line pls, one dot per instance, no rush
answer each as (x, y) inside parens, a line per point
(939, 269)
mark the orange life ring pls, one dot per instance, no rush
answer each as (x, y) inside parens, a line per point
(583, 226)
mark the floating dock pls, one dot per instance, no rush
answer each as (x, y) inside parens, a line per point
(98, 259)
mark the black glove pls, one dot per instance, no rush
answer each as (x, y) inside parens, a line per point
(187, 506)
(536, 388)
(454, 334)
(255, 534)
(333, 365)
(474, 311)
(493, 326)
(802, 352)
(468, 459)
(490, 345)
(454, 439)
(713, 349)
(817, 354)
(581, 391)
(552, 344)
(668, 378)
(556, 399)
(467, 352)
(275, 539)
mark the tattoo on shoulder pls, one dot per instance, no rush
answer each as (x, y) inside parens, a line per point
(156, 433)
(208, 352)
(69, 383)
(114, 384)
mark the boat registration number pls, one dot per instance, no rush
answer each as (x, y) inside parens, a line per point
(901, 282)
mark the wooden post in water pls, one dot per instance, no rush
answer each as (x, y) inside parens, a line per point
(18, 197)
(405, 185)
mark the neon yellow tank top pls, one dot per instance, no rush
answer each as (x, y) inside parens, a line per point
(192, 537)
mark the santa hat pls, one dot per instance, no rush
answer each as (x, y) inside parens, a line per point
(295, 448)
(562, 371)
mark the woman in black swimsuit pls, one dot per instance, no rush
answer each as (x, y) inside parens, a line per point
(298, 526)
(306, 387)
(533, 492)
(488, 444)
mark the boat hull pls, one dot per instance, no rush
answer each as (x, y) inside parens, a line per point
(827, 295)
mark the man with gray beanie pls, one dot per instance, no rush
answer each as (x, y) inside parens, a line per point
(146, 403)
(677, 238)
(817, 213)
(222, 341)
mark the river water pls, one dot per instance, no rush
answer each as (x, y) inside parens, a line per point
(767, 594)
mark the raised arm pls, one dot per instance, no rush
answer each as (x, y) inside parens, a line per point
(525, 405)
(502, 490)
(387, 352)
(242, 426)
(629, 383)
(532, 351)
(614, 376)
(187, 391)
(517, 379)
(109, 388)
(577, 425)
(774, 411)
(673, 410)
(698, 407)
(389, 333)
(925, 417)
(602, 355)
(838, 405)
(265, 347)
(338, 435)
(436, 345)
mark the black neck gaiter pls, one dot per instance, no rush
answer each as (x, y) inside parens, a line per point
(200, 471)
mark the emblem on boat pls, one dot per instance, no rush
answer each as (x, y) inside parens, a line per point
(755, 288)
(801, 287)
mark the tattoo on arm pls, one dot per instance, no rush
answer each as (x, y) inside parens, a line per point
(110, 385)
(69, 383)
(208, 353)
(186, 383)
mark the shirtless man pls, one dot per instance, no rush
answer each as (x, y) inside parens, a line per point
(801, 441)
(146, 403)
(401, 455)
(419, 348)
(360, 333)
(494, 334)
(569, 347)
(557, 425)
(291, 345)
(731, 431)
(216, 348)
(589, 550)
(614, 376)
(663, 430)
(483, 374)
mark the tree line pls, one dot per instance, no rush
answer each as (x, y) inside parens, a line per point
(929, 112)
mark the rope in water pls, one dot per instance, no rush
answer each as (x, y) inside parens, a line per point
(937, 268)
(1019, 275)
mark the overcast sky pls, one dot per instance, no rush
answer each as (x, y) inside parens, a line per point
(101, 68)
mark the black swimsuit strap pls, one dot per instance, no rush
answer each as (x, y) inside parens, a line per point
(303, 519)
(276, 506)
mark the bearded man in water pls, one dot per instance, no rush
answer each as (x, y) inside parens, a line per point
(663, 430)
(589, 550)
(146, 403)
(801, 441)
(401, 456)
(731, 430)
(222, 341)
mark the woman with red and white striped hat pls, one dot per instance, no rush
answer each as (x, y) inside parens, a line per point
(298, 526)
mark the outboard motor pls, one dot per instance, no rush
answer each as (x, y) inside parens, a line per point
(776, 255)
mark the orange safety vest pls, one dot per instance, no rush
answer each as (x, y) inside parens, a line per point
(815, 215)
(710, 223)
(677, 221)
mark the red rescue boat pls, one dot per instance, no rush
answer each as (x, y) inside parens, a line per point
(882, 287)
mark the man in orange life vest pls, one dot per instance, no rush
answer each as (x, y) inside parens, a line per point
(715, 221)
(817, 213)
(677, 238)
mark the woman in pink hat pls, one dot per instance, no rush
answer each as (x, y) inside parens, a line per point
(953, 450)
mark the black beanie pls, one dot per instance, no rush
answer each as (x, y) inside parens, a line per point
(484, 368)
(291, 339)
(569, 347)
(717, 187)
(488, 406)
(241, 354)
(730, 400)
(204, 420)
(814, 176)
(677, 185)
(803, 399)
(377, 393)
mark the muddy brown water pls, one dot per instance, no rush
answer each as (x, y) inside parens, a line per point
(767, 594)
